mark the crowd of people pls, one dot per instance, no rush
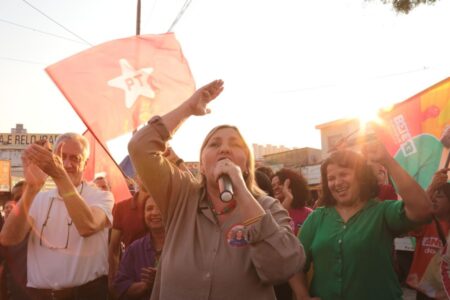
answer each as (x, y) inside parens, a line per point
(176, 238)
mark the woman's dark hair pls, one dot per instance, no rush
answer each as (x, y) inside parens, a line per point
(298, 186)
(266, 170)
(17, 190)
(263, 181)
(368, 185)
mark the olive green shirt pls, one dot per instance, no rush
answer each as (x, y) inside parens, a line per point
(353, 260)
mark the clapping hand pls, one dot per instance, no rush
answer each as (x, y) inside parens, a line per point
(41, 155)
(34, 176)
(287, 192)
(148, 275)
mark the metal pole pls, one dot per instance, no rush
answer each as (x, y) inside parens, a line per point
(138, 18)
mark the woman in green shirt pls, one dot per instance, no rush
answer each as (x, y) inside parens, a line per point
(349, 241)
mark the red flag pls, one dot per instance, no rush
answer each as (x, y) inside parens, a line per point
(119, 85)
(100, 161)
(418, 132)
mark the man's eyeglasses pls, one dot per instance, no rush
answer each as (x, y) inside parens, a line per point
(41, 236)
(44, 242)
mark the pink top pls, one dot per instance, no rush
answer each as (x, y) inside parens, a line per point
(298, 216)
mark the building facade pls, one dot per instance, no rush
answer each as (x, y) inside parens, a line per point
(305, 160)
(343, 134)
(12, 145)
(259, 151)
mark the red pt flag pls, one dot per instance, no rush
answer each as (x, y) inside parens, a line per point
(121, 84)
(100, 161)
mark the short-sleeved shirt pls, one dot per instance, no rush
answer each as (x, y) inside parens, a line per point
(138, 255)
(428, 244)
(353, 260)
(129, 220)
(83, 260)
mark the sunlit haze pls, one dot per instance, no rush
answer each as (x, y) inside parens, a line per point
(288, 65)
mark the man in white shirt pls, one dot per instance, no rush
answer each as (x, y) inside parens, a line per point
(67, 246)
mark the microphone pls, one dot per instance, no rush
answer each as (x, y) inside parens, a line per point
(225, 188)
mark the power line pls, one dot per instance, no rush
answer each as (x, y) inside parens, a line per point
(40, 31)
(62, 26)
(329, 85)
(424, 68)
(22, 61)
(180, 14)
(151, 11)
(153, 8)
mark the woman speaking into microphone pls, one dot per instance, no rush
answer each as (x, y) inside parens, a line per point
(214, 249)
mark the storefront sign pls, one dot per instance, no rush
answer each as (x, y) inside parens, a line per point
(25, 139)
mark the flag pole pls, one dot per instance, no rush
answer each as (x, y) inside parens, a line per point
(138, 29)
(138, 18)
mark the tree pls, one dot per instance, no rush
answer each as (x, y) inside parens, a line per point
(405, 6)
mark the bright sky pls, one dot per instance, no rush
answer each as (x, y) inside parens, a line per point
(288, 65)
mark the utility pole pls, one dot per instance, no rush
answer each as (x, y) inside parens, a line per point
(138, 18)
(138, 30)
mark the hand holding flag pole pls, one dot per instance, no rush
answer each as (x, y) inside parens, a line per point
(445, 140)
(447, 161)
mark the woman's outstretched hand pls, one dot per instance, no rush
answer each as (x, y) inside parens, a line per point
(375, 151)
(199, 100)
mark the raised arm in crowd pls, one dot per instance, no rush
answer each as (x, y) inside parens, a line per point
(231, 250)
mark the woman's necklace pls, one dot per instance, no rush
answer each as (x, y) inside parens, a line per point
(157, 248)
(224, 210)
(157, 257)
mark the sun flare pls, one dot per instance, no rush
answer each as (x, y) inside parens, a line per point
(369, 115)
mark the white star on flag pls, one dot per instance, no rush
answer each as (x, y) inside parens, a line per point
(133, 82)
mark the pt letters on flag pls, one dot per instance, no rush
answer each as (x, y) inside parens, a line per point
(121, 84)
(418, 132)
(117, 86)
